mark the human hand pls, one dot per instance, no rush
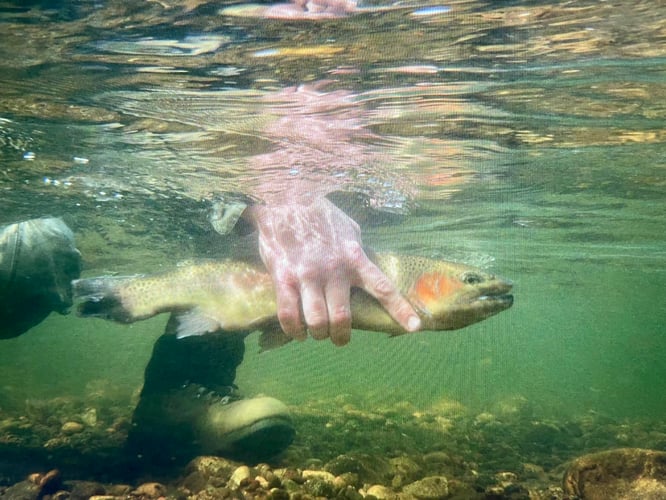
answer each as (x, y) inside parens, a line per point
(313, 251)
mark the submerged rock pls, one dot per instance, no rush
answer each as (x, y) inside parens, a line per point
(428, 488)
(84, 490)
(621, 474)
(369, 468)
(150, 490)
(35, 487)
(71, 428)
(241, 474)
(381, 492)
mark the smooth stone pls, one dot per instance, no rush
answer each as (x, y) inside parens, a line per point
(381, 492)
(262, 481)
(620, 474)
(71, 428)
(428, 488)
(241, 474)
(318, 474)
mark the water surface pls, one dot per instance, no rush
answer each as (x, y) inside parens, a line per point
(524, 137)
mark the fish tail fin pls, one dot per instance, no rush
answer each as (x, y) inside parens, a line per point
(101, 298)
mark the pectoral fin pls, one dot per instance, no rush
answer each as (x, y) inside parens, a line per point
(195, 322)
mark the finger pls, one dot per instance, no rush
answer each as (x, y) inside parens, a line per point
(339, 311)
(314, 311)
(377, 284)
(289, 312)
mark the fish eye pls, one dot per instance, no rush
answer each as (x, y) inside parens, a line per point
(471, 278)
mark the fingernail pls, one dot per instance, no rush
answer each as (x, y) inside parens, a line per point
(413, 324)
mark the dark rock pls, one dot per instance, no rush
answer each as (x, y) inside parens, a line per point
(150, 490)
(195, 482)
(35, 487)
(621, 474)
(542, 435)
(118, 490)
(83, 490)
(25, 490)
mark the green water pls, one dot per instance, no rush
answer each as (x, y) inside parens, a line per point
(535, 149)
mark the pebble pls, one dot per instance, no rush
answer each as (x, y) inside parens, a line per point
(71, 428)
(381, 492)
(339, 482)
(318, 474)
(210, 466)
(263, 482)
(241, 474)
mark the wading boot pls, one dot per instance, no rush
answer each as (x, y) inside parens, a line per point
(38, 261)
(190, 406)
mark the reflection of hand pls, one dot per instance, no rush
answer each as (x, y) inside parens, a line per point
(310, 9)
(339, 7)
(313, 251)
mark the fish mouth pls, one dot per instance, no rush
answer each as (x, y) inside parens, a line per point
(497, 296)
(505, 300)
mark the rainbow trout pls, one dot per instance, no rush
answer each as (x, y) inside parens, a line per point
(236, 296)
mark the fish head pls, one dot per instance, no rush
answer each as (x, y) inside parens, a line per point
(453, 296)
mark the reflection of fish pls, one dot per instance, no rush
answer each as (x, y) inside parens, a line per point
(236, 296)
